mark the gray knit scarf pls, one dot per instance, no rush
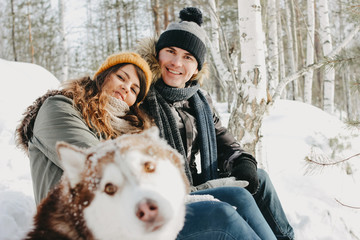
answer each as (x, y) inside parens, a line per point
(158, 106)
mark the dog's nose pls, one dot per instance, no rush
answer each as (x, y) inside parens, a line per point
(147, 210)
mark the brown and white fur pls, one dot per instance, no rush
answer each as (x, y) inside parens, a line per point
(132, 187)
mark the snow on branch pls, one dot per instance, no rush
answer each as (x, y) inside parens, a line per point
(315, 160)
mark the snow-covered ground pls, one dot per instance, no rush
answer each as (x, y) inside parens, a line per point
(291, 131)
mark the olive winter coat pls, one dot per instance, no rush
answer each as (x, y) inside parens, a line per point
(52, 118)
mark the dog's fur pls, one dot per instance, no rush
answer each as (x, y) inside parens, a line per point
(133, 187)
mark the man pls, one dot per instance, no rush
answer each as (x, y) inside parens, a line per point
(184, 114)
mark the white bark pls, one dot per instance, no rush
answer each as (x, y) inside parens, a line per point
(253, 70)
(64, 50)
(215, 39)
(246, 117)
(214, 42)
(315, 66)
(282, 66)
(273, 47)
(325, 37)
(290, 50)
(309, 50)
(346, 79)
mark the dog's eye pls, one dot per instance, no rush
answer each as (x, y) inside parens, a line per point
(149, 167)
(110, 189)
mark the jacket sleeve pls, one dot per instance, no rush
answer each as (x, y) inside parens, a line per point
(229, 150)
(58, 120)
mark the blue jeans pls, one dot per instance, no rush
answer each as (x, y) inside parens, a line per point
(270, 206)
(220, 220)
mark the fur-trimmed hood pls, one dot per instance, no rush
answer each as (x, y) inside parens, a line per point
(24, 130)
(146, 49)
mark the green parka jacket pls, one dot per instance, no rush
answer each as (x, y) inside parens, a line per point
(50, 119)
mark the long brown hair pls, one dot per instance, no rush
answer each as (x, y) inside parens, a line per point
(90, 99)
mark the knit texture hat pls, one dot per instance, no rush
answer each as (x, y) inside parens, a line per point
(127, 57)
(187, 34)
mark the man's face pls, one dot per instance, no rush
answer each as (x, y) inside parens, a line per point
(177, 66)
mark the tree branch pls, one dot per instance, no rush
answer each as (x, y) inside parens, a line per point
(345, 205)
(314, 66)
(308, 159)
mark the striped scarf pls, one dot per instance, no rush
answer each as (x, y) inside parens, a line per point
(157, 103)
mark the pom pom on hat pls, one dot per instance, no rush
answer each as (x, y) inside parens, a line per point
(187, 34)
(191, 14)
(127, 57)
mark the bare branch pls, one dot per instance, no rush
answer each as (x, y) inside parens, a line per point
(316, 161)
(314, 66)
(345, 205)
(330, 163)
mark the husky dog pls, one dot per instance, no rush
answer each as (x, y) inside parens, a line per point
(132, 187)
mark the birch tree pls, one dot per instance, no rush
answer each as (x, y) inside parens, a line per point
(166, 13)
(226, 74)
(282, 66)
(64, 51)
(291, 47)
(346, 79)
(30, 33)
(13, 29)
(317, 65)
(246, 117)
(118, 8)
(156, 13)
(273, 48)
(326, 41)
(309, 50)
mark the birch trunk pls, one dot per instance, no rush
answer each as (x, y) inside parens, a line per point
(166, 14)
(295, 44)
(273, 47)
(155, 10)
(247, 115)
(13, 29)
(282, 66)
(118, 9)
(64, 50)
(214, 43)
(309, 51)
(30, 34)
(290, 49)
(134, 22)
(347, 79)
(315, 66)
(93, 41)
(325, 37)
(127, 23)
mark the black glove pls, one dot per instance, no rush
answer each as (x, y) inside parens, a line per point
(245, 169)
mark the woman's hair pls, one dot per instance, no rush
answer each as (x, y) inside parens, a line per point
(90, 99)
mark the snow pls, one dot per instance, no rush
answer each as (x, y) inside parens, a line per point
(290, 132)
(24, 83)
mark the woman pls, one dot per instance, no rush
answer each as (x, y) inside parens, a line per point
(184, 114)
(88, 110)
(84, 112)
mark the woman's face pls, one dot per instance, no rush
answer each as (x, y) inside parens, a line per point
(124, 84)
(177, 66)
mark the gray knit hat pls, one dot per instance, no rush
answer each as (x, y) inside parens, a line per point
(187, 34)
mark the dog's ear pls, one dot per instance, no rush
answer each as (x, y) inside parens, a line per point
(152, 132)
(73, 161)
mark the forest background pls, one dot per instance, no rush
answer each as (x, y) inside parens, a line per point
(259, 51)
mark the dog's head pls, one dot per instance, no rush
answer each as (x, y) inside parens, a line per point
(131, 187)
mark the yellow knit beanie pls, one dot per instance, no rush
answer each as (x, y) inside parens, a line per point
(127, 57)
